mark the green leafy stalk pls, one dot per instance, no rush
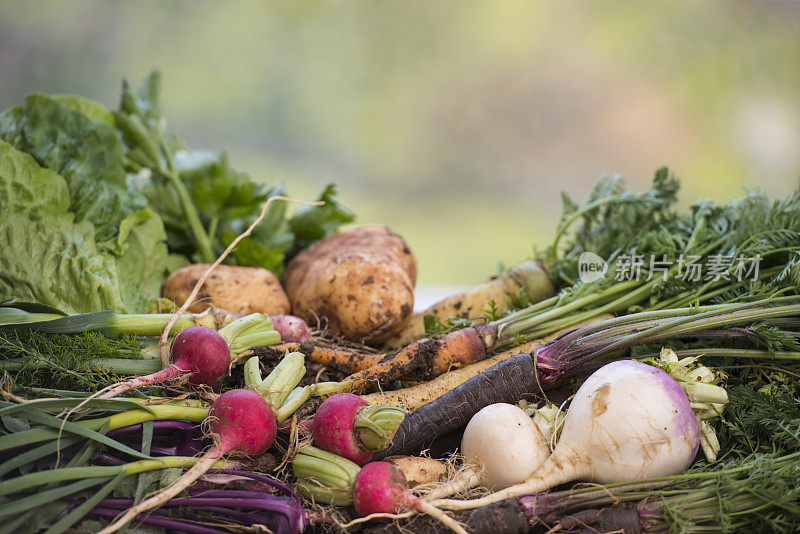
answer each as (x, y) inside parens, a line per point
(108, 322)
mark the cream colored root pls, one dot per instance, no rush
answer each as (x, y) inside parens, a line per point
(197, 470)
(553, 471)
(466, 478)
(377, 515)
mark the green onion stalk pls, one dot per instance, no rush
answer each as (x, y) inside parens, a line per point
(67, 481)
(65, 343)
(51, 426)
(18, 315)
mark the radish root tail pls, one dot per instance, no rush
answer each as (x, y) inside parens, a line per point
(427, 508)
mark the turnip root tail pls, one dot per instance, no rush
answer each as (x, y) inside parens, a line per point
(465, 479)
(209, 459)
(557, 469)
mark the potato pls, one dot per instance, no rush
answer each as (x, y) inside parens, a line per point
(361, 282)
(241, 290)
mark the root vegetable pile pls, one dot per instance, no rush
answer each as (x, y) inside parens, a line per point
(658, 405)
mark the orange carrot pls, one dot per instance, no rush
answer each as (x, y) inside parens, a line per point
(424, 359)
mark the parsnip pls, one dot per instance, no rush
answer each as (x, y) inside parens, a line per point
(527, 280)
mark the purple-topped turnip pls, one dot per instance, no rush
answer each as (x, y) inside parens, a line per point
(628, 421)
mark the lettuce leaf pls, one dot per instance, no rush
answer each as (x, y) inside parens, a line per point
(87, 154)
(52, 257)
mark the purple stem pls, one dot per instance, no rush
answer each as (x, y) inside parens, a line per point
(224, 494)
(172, 524)
(243, 518)
(158, 427)
(283, 513)
(262, 478)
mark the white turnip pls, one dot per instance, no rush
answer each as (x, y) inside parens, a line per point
(628, 421)
(502, 446)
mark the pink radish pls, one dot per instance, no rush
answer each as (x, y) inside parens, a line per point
(381, 488)
(198, 352)
(346, 425)
(241, 422)
(378, 487)
(291, 328)
(201, 352)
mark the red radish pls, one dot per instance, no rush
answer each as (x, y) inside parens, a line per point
(202, 352)
(346, 425)
(198, 352)
(380, 488)
(241, 422)
(291, 328)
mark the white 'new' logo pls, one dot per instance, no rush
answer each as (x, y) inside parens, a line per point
(591, 267)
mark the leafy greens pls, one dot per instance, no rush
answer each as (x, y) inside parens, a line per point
(96, 206)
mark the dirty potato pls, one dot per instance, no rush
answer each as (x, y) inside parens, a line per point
(241, 290)
(360, 282)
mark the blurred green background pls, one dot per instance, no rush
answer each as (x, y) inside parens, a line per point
(456, 123)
